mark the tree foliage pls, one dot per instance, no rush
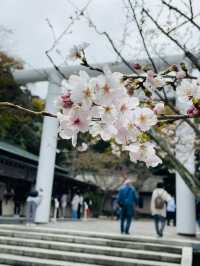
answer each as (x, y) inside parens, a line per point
(18, 128)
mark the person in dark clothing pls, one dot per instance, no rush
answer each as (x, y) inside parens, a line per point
(127, 199)
(198, 212)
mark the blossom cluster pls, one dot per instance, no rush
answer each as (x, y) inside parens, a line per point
(103, 107)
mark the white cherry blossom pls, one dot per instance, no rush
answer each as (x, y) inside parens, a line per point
(185, 91)
(144, 118)
(143, 152)
(159, 108)
(108, 87)
(76, 50)
(106, 131)
(81, 90)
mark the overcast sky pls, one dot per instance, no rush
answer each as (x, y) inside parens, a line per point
(32, 35)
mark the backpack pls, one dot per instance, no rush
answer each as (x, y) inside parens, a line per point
(159, 202)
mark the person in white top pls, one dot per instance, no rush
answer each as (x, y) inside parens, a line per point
(33, 200)
(171, 211)
(75, 204)
(159, 199)
(64, 205)
(56, 208)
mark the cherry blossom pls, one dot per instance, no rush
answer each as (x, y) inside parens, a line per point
(104, 107)
(81, 89)
(180, 74)
(159, 108)
(76, 121)
(144, 118)
(76, 50)
(143, 152)
(153, 81)
(185, 91)
(108, 87)
(105, 131)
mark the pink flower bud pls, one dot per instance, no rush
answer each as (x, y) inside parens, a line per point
(180, 74)
(159, 108)
(66, 101)
(192, 111)
(136, 66)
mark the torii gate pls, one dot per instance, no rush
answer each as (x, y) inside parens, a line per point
(186, 223)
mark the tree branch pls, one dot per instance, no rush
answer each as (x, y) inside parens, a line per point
(187, 53)
(191, 9)
(44, 113)
(142, 37)
(188, 121)
(182, 14)
(28, 111)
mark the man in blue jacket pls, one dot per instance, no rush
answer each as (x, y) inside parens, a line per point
(127, 199)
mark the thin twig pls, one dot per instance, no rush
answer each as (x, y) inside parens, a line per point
(142, 37)
(182, 24)
(181, 13)
(187, 53)
(173, 108)
(55, 66)
(191, 9)
(44, 113)
(28, 111)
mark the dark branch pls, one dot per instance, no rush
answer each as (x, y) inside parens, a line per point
(187, 53)
(181, 13)
(142, 37)
(44, 113)
(30, 112)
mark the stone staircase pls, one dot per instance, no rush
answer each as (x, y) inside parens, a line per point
(43, 246)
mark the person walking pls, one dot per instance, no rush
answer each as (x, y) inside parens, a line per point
(75, 204)
(32, 201)
(158, 207)
(80, 207)
(64, 205)
(171, 211)
(127, 199)
(198, 212)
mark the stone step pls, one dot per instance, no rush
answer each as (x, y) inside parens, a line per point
(119, 237)
(90, 241)
(62, 258)
(91, 249)
(14, 260)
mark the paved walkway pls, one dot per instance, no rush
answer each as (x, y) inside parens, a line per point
(139, 227)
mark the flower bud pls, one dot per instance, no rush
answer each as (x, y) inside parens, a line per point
(159, 108)
(192, 111)
(180, 74)
(136, 66)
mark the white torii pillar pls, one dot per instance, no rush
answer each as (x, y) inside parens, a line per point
(49, 135)
(185, 200)
(45, 173)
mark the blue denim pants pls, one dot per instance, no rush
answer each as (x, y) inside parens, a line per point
(125, 219)
(159, 224)
(74, 214)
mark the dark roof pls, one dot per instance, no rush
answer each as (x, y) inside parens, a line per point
(24, 154)
(15, 150)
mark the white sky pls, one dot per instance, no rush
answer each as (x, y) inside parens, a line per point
(32, 35)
